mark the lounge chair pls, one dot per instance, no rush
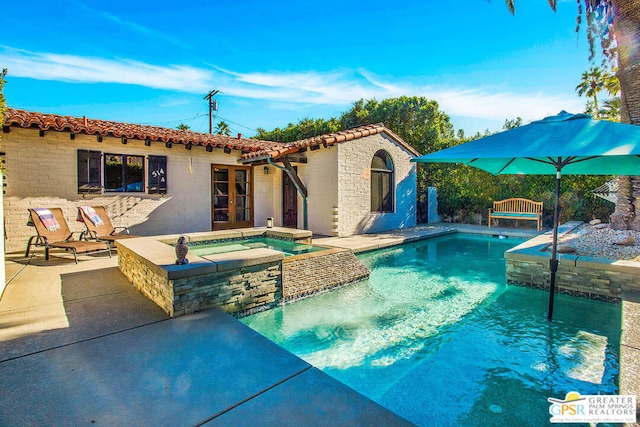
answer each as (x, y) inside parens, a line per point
(99, 225)
(53, 232)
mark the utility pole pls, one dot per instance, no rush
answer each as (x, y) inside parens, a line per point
(213, 106)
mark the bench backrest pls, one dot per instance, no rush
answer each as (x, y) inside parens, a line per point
(60, 235)
(517, 205)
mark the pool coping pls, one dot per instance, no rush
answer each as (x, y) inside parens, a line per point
(159, 255)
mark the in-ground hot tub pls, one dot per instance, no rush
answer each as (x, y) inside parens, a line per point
(234, 271)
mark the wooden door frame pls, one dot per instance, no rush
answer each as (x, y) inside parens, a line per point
(232, 197)
(292, 184)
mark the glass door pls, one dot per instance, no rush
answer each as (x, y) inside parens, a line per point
(232, 197)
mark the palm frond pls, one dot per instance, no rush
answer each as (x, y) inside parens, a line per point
(511, 4)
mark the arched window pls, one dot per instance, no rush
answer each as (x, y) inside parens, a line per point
(382, 182)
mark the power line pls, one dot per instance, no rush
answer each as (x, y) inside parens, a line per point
(238, 124)
(175, 121)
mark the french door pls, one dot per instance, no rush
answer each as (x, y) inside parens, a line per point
(232, 197)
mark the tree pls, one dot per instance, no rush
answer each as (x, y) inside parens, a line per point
(616, 23)
(512, 124)
(222, 128)
(592, 84)
(417, 120)
(305, 128)
(182, 126)
(611, 109)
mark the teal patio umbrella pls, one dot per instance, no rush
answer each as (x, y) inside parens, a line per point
(567, 143)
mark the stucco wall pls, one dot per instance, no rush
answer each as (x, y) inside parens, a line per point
(268, 196)
(354, 187)
(320, 175)
(41, 172)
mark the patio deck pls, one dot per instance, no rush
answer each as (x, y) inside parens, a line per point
(79, 345)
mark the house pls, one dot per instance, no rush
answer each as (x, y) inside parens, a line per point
(157, 180)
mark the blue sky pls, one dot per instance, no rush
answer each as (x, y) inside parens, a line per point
(278, 62)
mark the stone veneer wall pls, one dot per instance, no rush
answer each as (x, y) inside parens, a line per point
(242, 291)
(146, 278)
(239, 291)
(587, 277)
(305, 275)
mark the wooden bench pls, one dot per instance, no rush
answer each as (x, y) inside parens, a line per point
(516, 208)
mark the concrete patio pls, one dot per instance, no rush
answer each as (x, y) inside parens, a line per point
(79, 346)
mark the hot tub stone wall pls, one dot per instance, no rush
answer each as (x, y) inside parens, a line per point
(146, 278)
(240, 282)
(234, 284)
(308, 274)
(240, 292)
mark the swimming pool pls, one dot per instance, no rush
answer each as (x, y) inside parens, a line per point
(436, 336)
(288, 247)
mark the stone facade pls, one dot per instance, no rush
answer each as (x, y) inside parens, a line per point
(247, 288)
(587, 277)
(147, 278)
(241, 282)
(241, 291)
(309, 274)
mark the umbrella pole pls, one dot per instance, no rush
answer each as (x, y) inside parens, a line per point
(553, 263)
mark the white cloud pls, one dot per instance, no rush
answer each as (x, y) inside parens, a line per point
(80, 69)
(337, 87)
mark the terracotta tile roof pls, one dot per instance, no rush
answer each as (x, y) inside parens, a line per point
(43, 121)
(328, 140)
(252, 149)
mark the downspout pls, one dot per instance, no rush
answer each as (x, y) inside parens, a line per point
(297, 183)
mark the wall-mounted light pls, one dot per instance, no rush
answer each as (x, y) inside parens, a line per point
(99, 138)
(41, 133)
(188, 146)
(168, 145)
(266, 170)
(123, 140)
(72, 136)
(147, 143)
(227, 150)
(209, 148)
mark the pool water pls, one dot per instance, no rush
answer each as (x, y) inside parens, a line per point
(288, 247)
(436, 336)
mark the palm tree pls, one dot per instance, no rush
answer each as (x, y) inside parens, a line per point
(223, 129)
(611, 83)
(617, 24)
(591, 85)
(611, 109)
(182, 126)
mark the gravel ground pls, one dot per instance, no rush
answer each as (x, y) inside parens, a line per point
(600, 241)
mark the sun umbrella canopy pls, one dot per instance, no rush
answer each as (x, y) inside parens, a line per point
(563, 144)
(575, 142)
